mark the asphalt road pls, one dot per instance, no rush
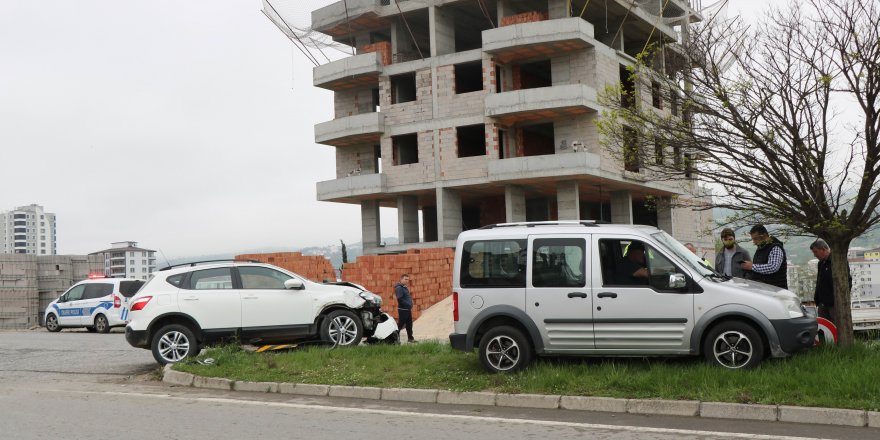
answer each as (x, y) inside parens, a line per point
(78, 385)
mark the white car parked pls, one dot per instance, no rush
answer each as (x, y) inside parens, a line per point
(181, 309)
(98, 304)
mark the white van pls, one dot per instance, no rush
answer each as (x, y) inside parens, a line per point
(98, 304)
(581, 288)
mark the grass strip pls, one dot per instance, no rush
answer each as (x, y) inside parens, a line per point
(822, 377)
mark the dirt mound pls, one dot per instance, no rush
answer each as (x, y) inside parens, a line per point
(435, 322)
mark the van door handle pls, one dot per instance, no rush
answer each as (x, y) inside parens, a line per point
(250, 297)
(607, 295)
(191, 298)
(577, 295)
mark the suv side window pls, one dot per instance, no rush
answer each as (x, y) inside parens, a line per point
(493, 263)
(220, 278)
(75, 294)
(261, 278)
(558, 262)
(97, 290)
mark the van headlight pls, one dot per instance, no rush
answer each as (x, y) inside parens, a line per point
(794, 308)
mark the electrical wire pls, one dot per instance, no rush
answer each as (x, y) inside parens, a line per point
(485, 10)
(348, 22)
(406, 23)
(304, 49)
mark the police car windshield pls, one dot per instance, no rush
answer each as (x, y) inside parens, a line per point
(683, 253)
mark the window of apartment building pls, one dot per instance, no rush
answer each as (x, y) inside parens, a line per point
(468, 77)
(405, 149)
(144, 262)
(538, 140)
(502, 144)
(43, 251)
(688, 166)
(631, 159)
(374, 96)
(673, 103)
(656, 95)
(659, 151)
(131, 262)
(627, 89)
(403, 88)
(499, 77)
(377, 158)
(676, 157)
(131, 270)
(471, 140)
(534, 75)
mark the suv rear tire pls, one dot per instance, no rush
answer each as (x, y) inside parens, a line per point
(174, 343)
(342, 328)
(505, 349)
(734, 345)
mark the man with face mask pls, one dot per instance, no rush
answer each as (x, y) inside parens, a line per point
(728, 260)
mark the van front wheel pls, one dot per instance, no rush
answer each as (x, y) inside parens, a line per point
(504, 350)
(734, 345)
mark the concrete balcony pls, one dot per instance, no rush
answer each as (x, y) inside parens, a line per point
(541, 104)
(351, 130)
(538, 39)
(339, 18)
(355, 71)
(348, 188)
(546, 166)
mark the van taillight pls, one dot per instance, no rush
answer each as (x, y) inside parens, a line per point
(117, 303)
(140, 303)
(455, 306)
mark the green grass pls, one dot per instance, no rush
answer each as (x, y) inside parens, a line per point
(824, 377)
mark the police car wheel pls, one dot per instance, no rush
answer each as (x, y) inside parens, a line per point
(342, 328)
(101, 324)
(174, 343)
(52, 323)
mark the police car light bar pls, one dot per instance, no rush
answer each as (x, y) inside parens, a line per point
(94, 276)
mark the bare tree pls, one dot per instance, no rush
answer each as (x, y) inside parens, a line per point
(779, 120)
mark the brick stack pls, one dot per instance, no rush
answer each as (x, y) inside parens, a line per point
(314, 267)
(429, 269)
(525, 17)
(384, 49)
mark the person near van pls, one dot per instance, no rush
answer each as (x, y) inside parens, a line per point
(824, 293)
(404, 306)
(728, 261)
(770, 264)
(632, 270)
(693, 250)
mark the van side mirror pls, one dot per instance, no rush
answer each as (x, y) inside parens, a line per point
(294, 284)
(677, 281)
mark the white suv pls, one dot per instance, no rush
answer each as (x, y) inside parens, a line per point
(97, 304)
(181, 309)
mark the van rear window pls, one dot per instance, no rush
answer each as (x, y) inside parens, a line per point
(493, 263)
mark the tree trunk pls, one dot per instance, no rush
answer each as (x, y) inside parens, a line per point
(842, 304)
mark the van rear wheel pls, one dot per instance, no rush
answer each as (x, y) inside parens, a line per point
(505, 349)
(734, 345)
(101, 324)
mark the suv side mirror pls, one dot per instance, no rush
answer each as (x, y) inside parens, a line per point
(677, 281)
(294, 284)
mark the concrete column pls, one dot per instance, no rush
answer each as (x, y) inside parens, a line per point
(568, 204)
(665, 216)
(408, 219)
(441, 23)
(621, 207)
(448, 214)
(370, 226)
(514, 204)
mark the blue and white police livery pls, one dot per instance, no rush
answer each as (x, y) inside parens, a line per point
(98, 304)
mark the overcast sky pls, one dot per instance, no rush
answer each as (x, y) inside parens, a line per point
(187, 126)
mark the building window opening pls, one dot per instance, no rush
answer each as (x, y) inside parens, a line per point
(471, 140)
(405, 149)
(659, 151)
(631, 159)
(403, 88)
(468, 77)
(538, 140)
(374, 97)
(656, 95)
(502, 144)
(377, 158)
(534, 75)
(627, 89)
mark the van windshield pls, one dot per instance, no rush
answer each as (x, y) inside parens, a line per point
(683, 253)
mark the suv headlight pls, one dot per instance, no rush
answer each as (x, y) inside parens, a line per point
(794, 308)
(371, 297)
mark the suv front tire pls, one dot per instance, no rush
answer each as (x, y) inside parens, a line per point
(342, 328)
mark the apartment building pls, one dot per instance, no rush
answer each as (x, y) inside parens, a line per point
(461, 114)
(864, 267)
(126, 259)
(27, 230)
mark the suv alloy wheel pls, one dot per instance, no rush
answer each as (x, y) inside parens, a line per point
(174, 343)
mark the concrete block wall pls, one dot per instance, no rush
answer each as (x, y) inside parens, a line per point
(408, 112)
(430, 270)
(450, 104)
(420, 172)
(525, 17)
(384, 49)
(314, 267)
(352, 102)
(349, 159)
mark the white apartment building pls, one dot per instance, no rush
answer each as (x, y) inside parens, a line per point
(126, 259)
(865, 271)
(27, 230)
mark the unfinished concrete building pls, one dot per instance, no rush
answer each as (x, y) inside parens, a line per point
(461, 114)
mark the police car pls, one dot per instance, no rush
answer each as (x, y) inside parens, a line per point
(98, 304)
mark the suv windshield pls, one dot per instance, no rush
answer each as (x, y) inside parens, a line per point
(683, 253)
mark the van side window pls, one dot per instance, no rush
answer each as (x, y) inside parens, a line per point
(493, 263)
(75, 294)
(634, 263)
(97, 290)
(558, 262)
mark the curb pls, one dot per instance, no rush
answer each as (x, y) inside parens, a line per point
(688, 408)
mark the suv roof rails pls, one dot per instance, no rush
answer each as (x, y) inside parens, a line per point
(194, 263)
(589, 223)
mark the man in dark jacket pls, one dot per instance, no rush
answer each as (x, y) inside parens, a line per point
(731, 256)
(404, 306)
(770, 265)
(824, 294)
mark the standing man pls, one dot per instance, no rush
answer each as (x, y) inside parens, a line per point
(731, 256)
(770, 265)
(824, 294)
(404, 306)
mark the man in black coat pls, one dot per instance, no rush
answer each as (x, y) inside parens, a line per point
(824, 294)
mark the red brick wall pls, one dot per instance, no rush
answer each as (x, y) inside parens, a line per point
(313, 267)
(430, 271)
(525, 17)
(384, 49)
